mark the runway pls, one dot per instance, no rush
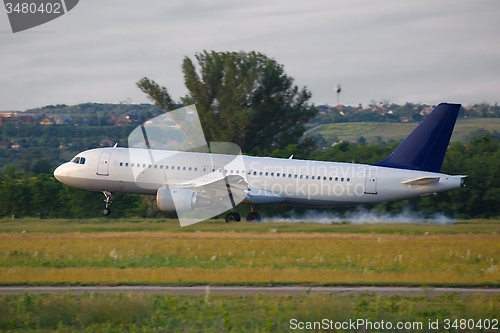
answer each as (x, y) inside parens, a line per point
(244, 290)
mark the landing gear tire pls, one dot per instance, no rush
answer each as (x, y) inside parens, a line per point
(253, 217)
(109, 199)
(233, 217)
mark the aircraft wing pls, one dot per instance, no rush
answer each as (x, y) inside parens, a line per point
(220, 187)
(422, 181)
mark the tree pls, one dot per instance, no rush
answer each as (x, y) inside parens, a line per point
(244, 98)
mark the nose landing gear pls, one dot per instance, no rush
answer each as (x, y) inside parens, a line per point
(109, 199)
(252, 215)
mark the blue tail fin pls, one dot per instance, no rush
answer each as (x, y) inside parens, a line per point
(425, 147)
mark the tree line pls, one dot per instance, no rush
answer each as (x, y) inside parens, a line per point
(26, 194)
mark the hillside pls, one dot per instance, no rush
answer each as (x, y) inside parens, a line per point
(465, 129)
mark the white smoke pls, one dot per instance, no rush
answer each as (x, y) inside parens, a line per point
(361, 216)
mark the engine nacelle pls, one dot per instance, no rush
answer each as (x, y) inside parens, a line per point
(179, 200)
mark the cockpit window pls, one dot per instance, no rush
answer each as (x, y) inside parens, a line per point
(79, 160)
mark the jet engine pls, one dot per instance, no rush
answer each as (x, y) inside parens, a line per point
(180, 200)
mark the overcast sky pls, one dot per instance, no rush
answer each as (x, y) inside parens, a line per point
(423, 51)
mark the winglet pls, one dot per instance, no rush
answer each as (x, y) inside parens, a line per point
(425, 147)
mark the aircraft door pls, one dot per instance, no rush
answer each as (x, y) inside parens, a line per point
(371, 181)
(103, 165)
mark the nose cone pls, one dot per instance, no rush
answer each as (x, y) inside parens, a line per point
(58, 172)
(61, 173)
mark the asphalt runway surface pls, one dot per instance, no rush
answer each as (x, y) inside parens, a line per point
(240, 290)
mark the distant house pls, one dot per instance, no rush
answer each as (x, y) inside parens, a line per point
(47, 121)
(132, 117)
(28, 119)
(16, 145)
(14, 119)
(106, 142)
(4, 144)
(122, 121)
(63, 120)
(17, 118)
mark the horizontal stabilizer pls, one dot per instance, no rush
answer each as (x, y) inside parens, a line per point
(422, 181)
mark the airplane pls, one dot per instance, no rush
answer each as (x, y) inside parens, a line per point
(185, 182)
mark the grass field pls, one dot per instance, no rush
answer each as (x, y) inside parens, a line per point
(136, 251)
(464, 130)
(261, 313)
(213, 252)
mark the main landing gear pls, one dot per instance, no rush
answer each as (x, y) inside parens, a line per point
(252, 216)
(109, 199)
(233, 217)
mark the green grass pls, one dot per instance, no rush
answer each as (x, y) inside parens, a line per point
(217, 313)
(33, 225)
(464, 130)
(214, 252)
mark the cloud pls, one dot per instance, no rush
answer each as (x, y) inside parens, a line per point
(423, 51)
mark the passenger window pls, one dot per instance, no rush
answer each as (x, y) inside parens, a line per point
(266, 174)
(260, 173)
(121, 163)
(195, 169)
(255, 173)
(348, 179)
(295, 176)
(312, 177)
(331, 178)
(132, 165)
(161, 166)
(324, 178)
(342, 179)
(126, 164)
(144, 165)
(149, 166)
(301, 176)
(189, 168)
(307, 176)
(336, 179)
(184, 169)
(156, 166)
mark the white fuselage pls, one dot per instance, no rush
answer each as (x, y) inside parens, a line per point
(295, 182)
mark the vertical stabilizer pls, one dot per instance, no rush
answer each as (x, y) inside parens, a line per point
(425, 147)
